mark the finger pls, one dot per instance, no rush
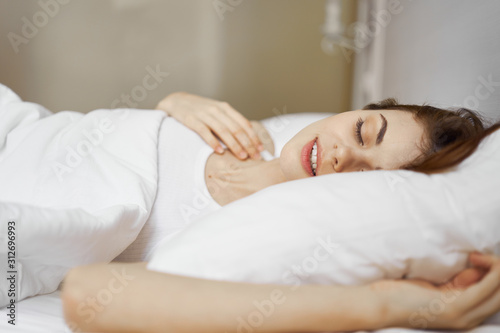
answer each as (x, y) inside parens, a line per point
(482, 260)
(245, 142)
(480, 291)
(224, 135)
(467, 277)
(262, 134)
(236, 143)
(245, 124)
(207, 135)
(224, 128)
(484, 310)
(242, 138)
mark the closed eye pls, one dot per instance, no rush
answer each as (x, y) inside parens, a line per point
(359, 123)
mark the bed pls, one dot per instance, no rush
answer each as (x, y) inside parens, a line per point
(43, 313)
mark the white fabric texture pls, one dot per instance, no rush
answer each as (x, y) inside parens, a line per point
(78, 186)
(350, 228)
(39, 314)
(183, 195)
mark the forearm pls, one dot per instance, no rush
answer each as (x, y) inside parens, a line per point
(156, 302)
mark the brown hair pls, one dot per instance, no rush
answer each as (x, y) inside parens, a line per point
(452, 135)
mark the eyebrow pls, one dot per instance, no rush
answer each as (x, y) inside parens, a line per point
(381, 133)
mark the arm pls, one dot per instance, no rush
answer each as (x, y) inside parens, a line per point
(157, 302)
(96, 299)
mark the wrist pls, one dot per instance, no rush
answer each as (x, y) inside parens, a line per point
(349, 308)
(166, 104)
(379, 311)
(390, 312)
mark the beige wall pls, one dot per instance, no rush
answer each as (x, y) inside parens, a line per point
(264, 54)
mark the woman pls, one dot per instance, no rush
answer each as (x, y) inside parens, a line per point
(380, 136)
(359, 140)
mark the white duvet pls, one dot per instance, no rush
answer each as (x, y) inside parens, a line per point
(74, 189)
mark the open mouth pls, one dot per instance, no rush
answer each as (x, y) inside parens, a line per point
(313, 158)
(309, 157)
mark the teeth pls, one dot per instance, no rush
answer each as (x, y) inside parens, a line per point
(314, 158)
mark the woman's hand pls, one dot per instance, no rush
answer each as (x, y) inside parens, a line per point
(212, 119)
(462, 303)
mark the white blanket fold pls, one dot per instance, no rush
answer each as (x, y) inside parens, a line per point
(78, 187)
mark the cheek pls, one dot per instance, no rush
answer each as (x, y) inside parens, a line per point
(332, 132)
(286, 165)
(286, 149)
(405, 156)
(288, 156)
(290, 162)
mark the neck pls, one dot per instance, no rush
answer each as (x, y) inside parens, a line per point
(252, 176)
(264, 174)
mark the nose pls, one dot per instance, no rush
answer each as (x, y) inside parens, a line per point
(345, 158)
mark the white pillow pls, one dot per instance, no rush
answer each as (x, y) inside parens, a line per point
(350, 228)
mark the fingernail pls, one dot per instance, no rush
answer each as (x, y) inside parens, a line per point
(260, 147)
(219, 149)
(256, 156)
(243, 154)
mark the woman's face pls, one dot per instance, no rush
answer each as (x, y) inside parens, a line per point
(360, 140)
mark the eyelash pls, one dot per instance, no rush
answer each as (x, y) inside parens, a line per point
(359, 123)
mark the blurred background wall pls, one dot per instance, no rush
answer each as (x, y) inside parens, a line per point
(445, 53)
(258, 55)
(262, 56)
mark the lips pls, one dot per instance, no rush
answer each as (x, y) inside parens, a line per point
(318, 156)
(305, 157)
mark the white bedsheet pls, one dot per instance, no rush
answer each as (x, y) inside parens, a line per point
(37, 314)
(43, 314)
